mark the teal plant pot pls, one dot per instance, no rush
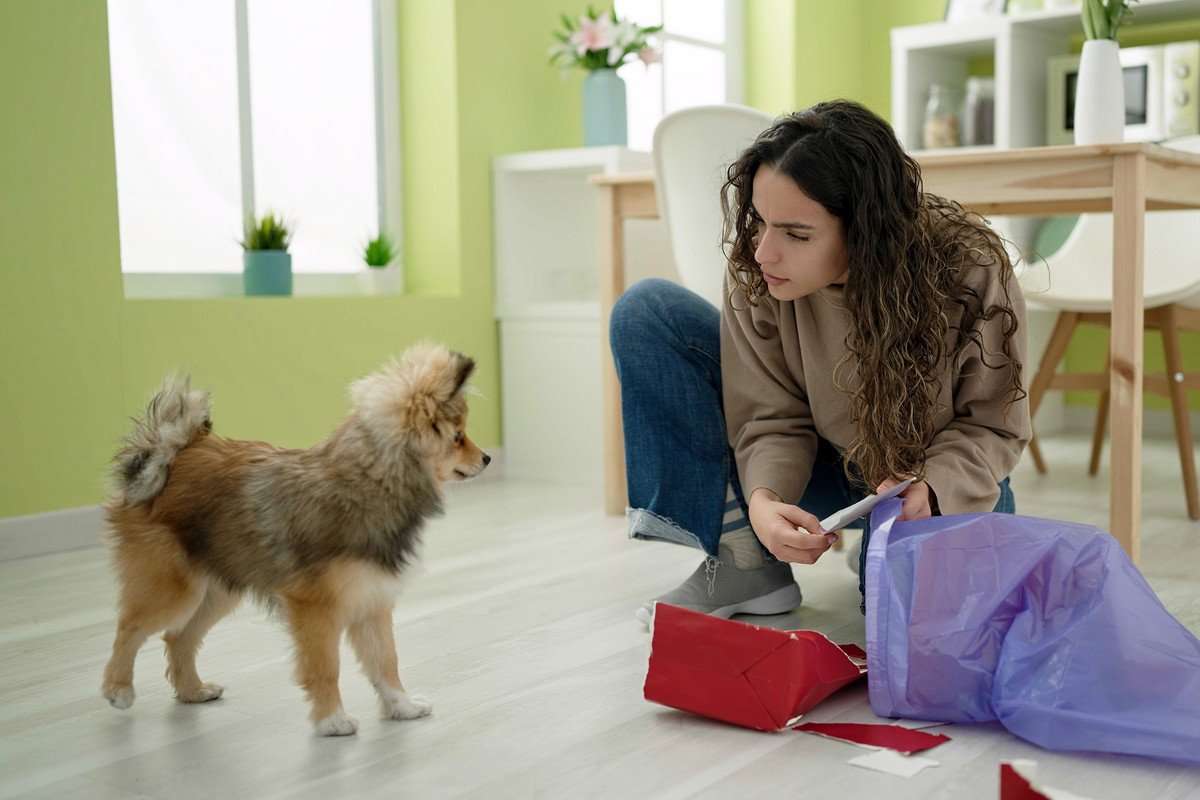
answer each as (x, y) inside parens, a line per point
(604, 109)
(266, 272)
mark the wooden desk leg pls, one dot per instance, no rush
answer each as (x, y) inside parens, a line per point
(1129, 217)
(611, 237)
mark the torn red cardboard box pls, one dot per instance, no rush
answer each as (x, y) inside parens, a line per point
(756, 677)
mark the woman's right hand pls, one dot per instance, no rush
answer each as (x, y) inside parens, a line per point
(775, 523)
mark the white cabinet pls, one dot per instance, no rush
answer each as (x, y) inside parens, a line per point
(545, 254)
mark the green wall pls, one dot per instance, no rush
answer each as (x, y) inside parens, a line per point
(61, 321)
(771, 55)
(799, 52)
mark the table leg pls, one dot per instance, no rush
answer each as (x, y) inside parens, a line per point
(611, 236)
(1129, 207)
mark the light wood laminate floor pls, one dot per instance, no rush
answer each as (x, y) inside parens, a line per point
(520, 629)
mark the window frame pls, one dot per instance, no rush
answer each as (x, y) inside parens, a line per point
(733, 48)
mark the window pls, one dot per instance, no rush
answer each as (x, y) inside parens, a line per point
(227, 108)
(702, 61)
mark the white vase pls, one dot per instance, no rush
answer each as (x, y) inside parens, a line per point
(1100, 94)
(380, 280)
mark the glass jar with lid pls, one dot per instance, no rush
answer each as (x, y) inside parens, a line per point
(979, 111)
(941, 127)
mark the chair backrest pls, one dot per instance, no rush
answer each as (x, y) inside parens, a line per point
(693, 148)
(1079, 274)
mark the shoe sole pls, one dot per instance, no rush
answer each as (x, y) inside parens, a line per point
(779, 601)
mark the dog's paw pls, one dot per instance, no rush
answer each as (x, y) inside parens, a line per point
(201, 693)
(339, 723)
(118, 695)
(401, 705)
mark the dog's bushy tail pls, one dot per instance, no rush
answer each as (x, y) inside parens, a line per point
(173, 418)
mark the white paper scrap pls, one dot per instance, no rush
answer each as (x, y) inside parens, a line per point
(890, 762)
(840, 519)
(917, 724)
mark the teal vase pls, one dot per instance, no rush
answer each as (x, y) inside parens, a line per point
(266, 272)
(603, 108)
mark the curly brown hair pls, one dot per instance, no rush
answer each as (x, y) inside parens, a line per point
(903, 244)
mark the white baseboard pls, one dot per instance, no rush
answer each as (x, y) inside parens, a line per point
(50, 532)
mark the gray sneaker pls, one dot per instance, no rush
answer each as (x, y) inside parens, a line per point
(854, 555)
(722, 591)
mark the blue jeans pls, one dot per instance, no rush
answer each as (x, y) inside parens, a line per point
(666, 343)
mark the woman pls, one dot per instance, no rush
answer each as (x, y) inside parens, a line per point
(869, 332)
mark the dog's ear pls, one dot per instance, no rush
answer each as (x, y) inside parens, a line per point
(410, 392)
(464, 366)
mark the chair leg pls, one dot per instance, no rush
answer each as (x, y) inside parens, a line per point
(1056, 348)
(1179, 405)
(1035, 451)
(1098, 432)
(1101, 419)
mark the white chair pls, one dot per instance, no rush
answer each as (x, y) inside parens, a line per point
(693, 149)
(1078, 283)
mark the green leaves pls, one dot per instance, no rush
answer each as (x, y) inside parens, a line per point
(1086, 16)
(380, 251)
(1102, 18)
(269, 233)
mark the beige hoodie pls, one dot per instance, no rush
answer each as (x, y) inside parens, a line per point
(777, 367)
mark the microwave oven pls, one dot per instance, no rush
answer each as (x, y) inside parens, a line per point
(1161, 87)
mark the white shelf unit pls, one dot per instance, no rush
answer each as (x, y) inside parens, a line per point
(545, 252)
(1019, 44)
(942, 52)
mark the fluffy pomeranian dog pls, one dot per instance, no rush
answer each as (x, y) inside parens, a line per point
(321, 535)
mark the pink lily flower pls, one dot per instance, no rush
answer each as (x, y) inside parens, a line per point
(650, 55)
(593, 34)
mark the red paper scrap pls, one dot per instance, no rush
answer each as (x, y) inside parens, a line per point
(755, 677)
(1018, 781)
(891, 737)
(1017, 786)
(854, 651)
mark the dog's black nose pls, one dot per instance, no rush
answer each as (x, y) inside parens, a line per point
(486, 459)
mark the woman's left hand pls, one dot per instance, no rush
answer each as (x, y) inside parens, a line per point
(918, 499)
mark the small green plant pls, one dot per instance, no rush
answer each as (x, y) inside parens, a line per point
(380, 251)
(1102, 18)
(268, 233)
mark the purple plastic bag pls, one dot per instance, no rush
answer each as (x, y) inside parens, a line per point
(1045, 626)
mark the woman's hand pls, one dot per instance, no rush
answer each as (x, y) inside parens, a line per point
(775, 524)
(919, 500)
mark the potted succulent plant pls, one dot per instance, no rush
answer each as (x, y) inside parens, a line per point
(1100, 88)
(266, 263)
(380, 277)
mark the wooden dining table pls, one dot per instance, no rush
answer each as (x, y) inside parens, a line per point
(1126, 179)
